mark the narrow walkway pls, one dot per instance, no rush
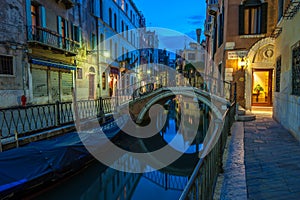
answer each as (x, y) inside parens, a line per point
(271, 159)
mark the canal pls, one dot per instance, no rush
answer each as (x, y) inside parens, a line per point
(97, 181)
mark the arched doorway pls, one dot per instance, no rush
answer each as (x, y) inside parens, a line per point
(260, 74)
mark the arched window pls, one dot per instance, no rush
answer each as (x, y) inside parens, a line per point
(253, 17)
(103, 81)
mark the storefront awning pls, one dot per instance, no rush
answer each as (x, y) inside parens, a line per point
(52, 64)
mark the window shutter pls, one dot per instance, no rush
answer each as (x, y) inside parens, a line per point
(28, 13)
(43, 16)
(59, 25)
(241, 20)
(79, 35)
(72, 31)
(264, 17)
(66, 28)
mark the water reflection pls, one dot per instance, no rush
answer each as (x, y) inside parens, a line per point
(100, 182)
(184, 112)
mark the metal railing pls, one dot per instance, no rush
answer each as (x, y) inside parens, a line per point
(52, 39)
(23, 121)
(202, 181)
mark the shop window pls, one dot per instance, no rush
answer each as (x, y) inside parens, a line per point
(6, 65)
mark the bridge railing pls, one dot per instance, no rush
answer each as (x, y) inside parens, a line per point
(17, 122)
(202, 181)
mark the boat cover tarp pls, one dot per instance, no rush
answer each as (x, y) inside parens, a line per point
(20, 165)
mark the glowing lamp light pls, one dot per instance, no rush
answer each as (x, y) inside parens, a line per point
(242, 63)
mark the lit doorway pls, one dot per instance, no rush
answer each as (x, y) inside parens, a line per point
(262, 87)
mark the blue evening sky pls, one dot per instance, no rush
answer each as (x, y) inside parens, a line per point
(183, 16)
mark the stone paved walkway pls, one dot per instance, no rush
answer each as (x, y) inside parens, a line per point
(271, 159)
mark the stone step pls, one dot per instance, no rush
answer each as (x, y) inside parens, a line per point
(245, 118)
(241, 112)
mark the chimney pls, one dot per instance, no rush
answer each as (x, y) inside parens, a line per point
(198, 32)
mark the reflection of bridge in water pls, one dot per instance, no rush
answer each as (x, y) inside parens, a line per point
(167, 181)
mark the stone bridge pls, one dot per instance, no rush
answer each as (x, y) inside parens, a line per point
(139, 108)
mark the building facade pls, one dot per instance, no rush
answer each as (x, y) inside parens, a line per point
(53, 47)
(254, 43)
(287, 66)
(241, 48)
(13, 83)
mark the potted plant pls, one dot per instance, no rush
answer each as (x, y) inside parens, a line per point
(258, 88)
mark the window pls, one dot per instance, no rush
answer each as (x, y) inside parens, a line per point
(221, 28)
(93, 41)
(253, 17)
(101, 9)
(280, 9)
(110, 17)
(6, 65)
(75, 33)
(278, 72)
(191, 56)
(115, 22)
(79, 73)
(296, 71)
(34, 15)
(122, 28)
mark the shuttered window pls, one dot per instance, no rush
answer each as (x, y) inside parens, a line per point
(253, 18)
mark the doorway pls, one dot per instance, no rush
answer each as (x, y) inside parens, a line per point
(262, 87)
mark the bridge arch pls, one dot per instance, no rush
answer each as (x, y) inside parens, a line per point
(213, 102)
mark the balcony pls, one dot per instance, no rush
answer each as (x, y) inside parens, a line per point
(207, 30)
(68, 3)
(52, 40)
(212, 7)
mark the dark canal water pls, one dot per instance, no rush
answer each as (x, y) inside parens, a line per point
(98, 181)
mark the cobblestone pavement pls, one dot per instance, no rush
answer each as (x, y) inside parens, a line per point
(271, 162)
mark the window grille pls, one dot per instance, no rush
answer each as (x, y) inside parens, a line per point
(6, 65)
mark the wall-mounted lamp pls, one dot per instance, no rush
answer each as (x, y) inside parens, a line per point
(242, 63)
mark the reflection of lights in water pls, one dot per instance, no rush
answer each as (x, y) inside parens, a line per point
(179, 142)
